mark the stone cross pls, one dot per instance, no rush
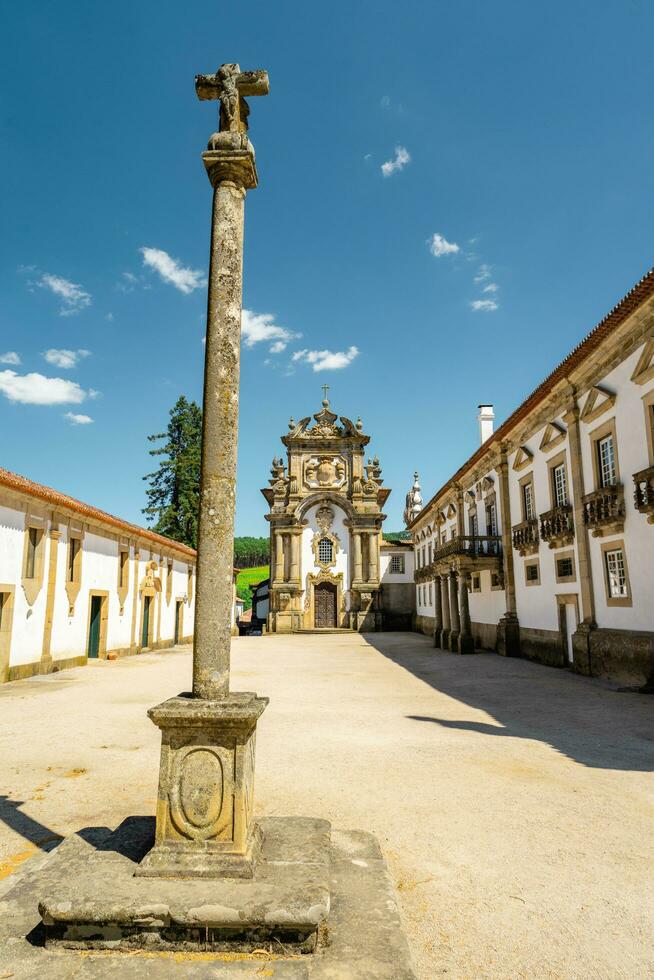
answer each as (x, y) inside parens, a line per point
(205, 825)
(325, 389)
(229, 85)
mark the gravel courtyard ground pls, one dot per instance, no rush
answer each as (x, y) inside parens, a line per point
(513, 802)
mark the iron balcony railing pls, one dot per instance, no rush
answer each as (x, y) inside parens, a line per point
(644, 491)
(557, 525)
(604, 507)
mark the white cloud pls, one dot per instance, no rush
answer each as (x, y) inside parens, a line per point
(326, 360)
(64, 358)
(484, 273)
(385, 102)
(36, 389)
(261, 328)
(76, 419)
(109, 317)
(171, 270)
(398, 162)
(483, 305)
(440, 246)
(73, 297)
(492, 287)
(11, 357)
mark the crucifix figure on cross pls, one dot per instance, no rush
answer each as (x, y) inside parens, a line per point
(229, 85)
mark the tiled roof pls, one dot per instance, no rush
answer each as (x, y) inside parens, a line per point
(642, 291)
(55, 499)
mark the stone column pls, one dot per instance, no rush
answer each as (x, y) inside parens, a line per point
(445, 608)
(205, 825)
(466, 642)
(581, 639)
(508, 628)
(215, 560)
(372, 556)
(294, 575)
(454, 614)
(279, 556)
(438, 611)
(356, 549)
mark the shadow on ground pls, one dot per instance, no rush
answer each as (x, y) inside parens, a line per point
(584, 718)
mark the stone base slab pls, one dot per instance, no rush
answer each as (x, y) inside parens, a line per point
(363, 938)
(97, 902)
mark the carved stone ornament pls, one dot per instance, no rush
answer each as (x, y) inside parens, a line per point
(321, 472)
(197, 791)
(150, 582)
(324, 518)
(315, 545)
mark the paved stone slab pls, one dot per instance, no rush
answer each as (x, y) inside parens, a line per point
(363, 940)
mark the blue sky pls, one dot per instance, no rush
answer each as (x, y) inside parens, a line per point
(519, 141)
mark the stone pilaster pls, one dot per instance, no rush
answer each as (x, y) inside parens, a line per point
(294, 575)
(46, 656)
(279, 556)
(508, 628)
(357, 558)
(581, 638)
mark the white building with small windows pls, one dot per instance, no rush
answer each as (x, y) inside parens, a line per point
(77, 583)
(541, 545)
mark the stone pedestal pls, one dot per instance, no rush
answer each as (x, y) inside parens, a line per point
(206, 788)
(508, 636)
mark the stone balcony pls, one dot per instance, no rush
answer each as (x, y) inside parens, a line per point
(604, 510)
(557, 526)
(644, 492)
(472, 551)
(525, 537)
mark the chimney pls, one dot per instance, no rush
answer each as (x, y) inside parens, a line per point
(485, 419)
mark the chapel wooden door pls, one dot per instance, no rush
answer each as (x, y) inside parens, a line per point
(325, 605)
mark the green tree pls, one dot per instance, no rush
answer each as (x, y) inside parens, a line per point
(174, 488)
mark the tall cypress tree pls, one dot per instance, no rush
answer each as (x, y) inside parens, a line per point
(174, 488)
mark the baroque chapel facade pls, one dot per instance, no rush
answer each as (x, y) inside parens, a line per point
(325, 528)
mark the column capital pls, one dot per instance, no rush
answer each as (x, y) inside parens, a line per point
(229, 159)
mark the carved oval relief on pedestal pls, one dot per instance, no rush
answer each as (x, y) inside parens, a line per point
(196, 794)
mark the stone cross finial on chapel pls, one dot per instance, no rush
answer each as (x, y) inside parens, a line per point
(325, 389)
(229, 85)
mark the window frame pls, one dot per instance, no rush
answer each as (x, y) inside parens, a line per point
(532, 563)
(524, 483)
(569, 554)
(402, 563)
(611, 600)
(553, 464)
(596, 437)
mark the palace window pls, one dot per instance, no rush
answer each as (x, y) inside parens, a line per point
(606, 461)
(528, 501)
(476, 583)
(559, 486)
(474, 525)
(123, 558)
(430, 594)
(397, 564)
(564, 568)
(496, 582)
(616, 574)
(325, 550)
(532, 573)
(73, 551)
(491, 519)
(33, 539)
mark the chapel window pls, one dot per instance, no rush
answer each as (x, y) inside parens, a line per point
(325, 550)
(397, 564)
